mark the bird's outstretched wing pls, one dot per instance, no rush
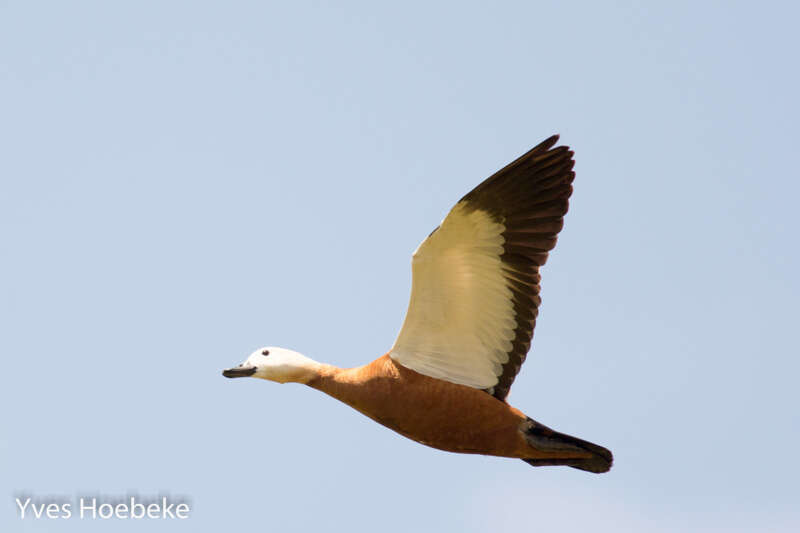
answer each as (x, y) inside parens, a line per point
(475, 287)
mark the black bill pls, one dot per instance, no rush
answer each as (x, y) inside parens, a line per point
(239, 372)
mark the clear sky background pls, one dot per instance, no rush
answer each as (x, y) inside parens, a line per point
(183, 182)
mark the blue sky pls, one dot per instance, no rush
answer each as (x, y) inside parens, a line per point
(183, 182)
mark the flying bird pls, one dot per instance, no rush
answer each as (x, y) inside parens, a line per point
(468, 328)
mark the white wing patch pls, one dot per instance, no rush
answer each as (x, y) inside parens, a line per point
(460, 320)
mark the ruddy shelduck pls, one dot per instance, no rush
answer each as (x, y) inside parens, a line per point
(469, 325)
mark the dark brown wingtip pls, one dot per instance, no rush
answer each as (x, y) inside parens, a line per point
(548, 143)
(524, 166)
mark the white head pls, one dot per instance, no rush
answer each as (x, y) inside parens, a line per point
(276, 364)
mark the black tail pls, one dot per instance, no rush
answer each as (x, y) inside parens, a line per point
(545, 439)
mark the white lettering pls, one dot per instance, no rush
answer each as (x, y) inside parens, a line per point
(22, 507)
(167, 509)
(86, 508)
(38, 511)
(104, 507)
(52, 510)
(135, 506)
(109, 514)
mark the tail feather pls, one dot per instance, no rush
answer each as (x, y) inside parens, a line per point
(545, 439)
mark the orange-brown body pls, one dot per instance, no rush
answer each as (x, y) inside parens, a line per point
(434, 412)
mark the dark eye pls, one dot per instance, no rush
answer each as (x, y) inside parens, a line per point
(265, 352)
